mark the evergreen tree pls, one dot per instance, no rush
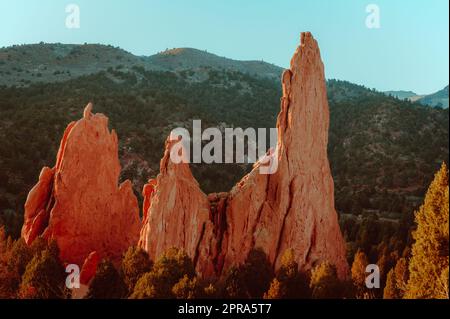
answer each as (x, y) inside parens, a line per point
(135, 263)
(145, 288)
(233, 287)
(390, 290)
(324, 282)
(187, 288)
(429, 263)
(397, 279)
(289, 282)
(359, 275)
(276, 290)
(167, 271)
(44, 277)
(256, 274)
(107, 283)
(251, 279)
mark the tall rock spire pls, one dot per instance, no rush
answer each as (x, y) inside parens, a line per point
(79, 202)
(290, 209)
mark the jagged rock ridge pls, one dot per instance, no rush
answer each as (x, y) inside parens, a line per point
(292, 208)
(78, 202)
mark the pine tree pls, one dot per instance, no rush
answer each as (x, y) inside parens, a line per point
(251, 279)
(289, 282)
(359, 274)
(390, 290)
(275, 291)
(359, 265)
(44, 277)
(401, 271)
(233, 287)
(256, 273)
(107, 283)
(145, 288)
(429, 263)
(324, 282)
(396, 281)
(167, 271)
(187, 288)
(135, 263)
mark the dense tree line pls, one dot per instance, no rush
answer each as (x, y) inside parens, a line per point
(421, 271)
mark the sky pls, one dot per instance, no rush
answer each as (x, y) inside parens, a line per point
(407, 50)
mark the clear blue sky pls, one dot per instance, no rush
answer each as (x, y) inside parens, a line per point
(410, 51)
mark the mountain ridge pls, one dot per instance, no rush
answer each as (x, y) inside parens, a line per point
(436, 99)
(22, 65)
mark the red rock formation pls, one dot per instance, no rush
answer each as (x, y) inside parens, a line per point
(79, 202)
(89, 268)
(177, 209)
(292, 208)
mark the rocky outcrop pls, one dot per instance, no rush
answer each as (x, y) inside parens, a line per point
(291, 208)
(89, 268)
(175, 209)
(78, 202)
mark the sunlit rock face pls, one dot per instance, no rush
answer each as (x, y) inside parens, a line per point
(290, 209)
(79, 202)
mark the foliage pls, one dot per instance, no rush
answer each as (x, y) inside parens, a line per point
(397, 279)
(107, 283)
(359, 274)
(429, 263)
(172, 266)
(44, 277)
(289, 282)
(324, 282)
(251, 279)
(135, 263)
(187, 288)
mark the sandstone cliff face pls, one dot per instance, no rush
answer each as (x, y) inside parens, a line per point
(78, 202)
(292, 208)
(175, 209)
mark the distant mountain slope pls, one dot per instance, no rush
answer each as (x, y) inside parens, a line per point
(440, 98)
(382, 150)
(401, 94)
(25, 64)
(193, 59)
(22, 65)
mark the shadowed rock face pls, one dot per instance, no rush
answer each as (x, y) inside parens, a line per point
(78, 202)
(292, 208)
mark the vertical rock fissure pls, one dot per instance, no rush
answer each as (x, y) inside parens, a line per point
(312, 242)
(258, 215)
(197, 247)
(222, 228)
(277, 251)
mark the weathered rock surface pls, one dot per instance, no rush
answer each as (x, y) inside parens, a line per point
(89, 268)
(292, 208)
(79, 202)
(175, 209)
